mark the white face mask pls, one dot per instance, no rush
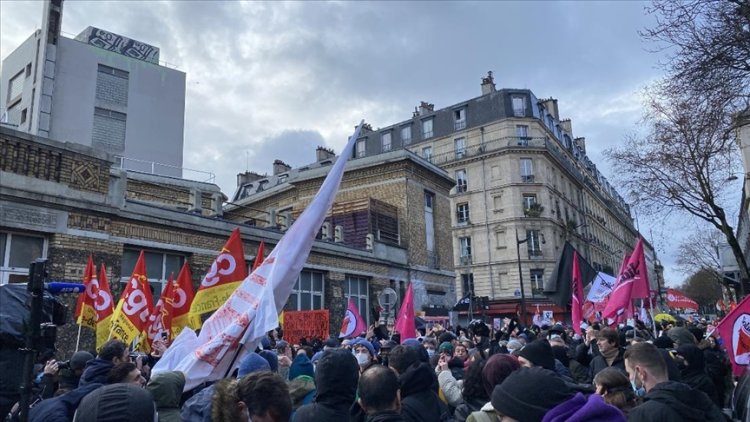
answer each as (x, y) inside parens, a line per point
(363, 358)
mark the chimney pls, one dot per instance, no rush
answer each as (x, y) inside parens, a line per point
(366, 128)
(425, 107)
(323, 153)
(550, 105)
(280, 167)
(247, 177)
(488, 84)
(581, 144)
(567, 126)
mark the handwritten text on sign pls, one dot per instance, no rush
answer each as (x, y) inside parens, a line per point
(307, 324)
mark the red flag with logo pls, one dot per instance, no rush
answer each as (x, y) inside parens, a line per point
(676, 299)
(85, 311)
(135, 305)
(105, 307)
(576, 303)
(405, 322)
(353, 324)
(620, 301)
(735, 332)
(160, 320)
(640, 284)
(182, 299)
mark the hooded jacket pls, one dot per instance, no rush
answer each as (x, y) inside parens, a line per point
(336, 377)
(387, 416)
(580, 409)
(419, 401)
(167, 390)
(675, 402)
(96, 372)
(61, 408)
(694, 374)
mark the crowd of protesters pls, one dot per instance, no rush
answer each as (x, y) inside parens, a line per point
(546, 373)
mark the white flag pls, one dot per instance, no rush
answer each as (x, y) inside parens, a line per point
(601, 287)
(252, 310)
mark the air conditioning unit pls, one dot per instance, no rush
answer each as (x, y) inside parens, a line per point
(338, 234)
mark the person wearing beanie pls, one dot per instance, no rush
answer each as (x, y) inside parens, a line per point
(664, 342)
(166, 388)
(115, 403)
(446, 348)
(537, 353)
(447, 337)
(336, 377)
(681, 335)
(271, 358)
(528, 393)
(419, 400)
(301, 391)
(364, 352)
(253, 362)
(581, 409)
(301, 366)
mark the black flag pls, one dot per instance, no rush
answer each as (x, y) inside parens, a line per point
(463, 303)
(558, 288)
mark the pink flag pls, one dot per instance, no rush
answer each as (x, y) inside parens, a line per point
(353, 324)
(620, 301)
(405, 322)
(640, 285)
(735, 332)
(576, 303)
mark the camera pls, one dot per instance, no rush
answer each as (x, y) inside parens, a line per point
(134, 355)
(63, 365)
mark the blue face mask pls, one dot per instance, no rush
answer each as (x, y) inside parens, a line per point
(430, 352)
(639, 391)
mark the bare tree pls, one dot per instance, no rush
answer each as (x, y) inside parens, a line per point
(708, 44)
(699, 250)
(703, 288)
(684, 161)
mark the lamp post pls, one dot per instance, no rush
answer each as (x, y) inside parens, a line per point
(520, 272)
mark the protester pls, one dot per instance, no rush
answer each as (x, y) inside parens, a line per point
(694, 372)
(261, 396)
(419, 402)
(379, 395)
(473, 394)
(126, 372)
(527, 394)
(61, 408)
(610, 353)
(111, 353)
(166, 388)
(336, 377)
(301, 391)
(117, 403)
(665, 401)
(614, 387)
(364, 352)
(58, 380)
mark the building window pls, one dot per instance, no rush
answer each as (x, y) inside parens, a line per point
(519, 106)
(464, 245)
(461, 182)
(460, 147)
(159, 266)
(355, 288)
(429, 223)
(385, 140)
(529, 200)
(107, 70)
(462, 213)
(28, 70)
(537, 282)
(467, 282)
(459, 119)
(15, 86)
(427, 153)
(527, 170)
(385, 227)
(406, 134)
(361, 148)
(14, 113)
(500, 239)
(522, 132)
(307, 293)
(534, 247)
(17, 251)
(426, 128)
(23, 115)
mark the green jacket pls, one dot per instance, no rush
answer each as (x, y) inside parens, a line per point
(167, 389)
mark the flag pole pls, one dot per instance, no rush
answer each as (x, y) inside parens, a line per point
(78, 339)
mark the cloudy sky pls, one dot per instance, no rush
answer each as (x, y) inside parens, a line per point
(275, 80)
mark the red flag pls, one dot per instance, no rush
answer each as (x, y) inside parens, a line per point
(85, 311)
(105, 307)
(183, 298)
(676, 299)
(405, 321)
(640, 284)
(620, 301)
(259, 256)
(160, 320)
(576, 303)
(131, 315)
(353, 324)
(735, 332)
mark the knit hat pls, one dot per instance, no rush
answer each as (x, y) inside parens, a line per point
(497, 369)
(446, 347)
(365, 343)
(446, 336)
(412, 342)
(681, 335)
(301, 366)
(664, 342)
(331, 343)
(265, 343)
(581, 408)
(117, 402)
(271, 358)
(253, 362)
(79, 360)
(528, 393)
(539, 353)
(282, 344)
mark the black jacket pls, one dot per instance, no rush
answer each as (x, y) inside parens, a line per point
(599, 363)
(61, 408)
(388, 416)
(336, 379)
(675, 402)
(419, 402)
(467, 408)
(96, 372)
(698, 380)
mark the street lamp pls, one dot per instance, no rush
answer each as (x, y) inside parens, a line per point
(520, 271)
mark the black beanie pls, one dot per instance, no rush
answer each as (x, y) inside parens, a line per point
(539, 353)
(663, 342)
(117, 402)
(528, 393)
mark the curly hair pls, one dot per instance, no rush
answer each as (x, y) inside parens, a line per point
(473, 384)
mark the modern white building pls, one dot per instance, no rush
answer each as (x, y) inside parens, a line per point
(100, 89)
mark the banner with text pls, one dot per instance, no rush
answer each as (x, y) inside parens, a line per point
(307, 324)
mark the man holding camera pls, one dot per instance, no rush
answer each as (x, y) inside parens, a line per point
(63, 376)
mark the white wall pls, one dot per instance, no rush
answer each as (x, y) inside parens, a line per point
(14, 63)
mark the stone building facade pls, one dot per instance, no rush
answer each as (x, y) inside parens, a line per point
(66, 201)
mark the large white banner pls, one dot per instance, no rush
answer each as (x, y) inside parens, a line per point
(601, 287)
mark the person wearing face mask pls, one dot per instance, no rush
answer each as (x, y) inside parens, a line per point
(431, 346)
(664, 401)
(364, 352)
